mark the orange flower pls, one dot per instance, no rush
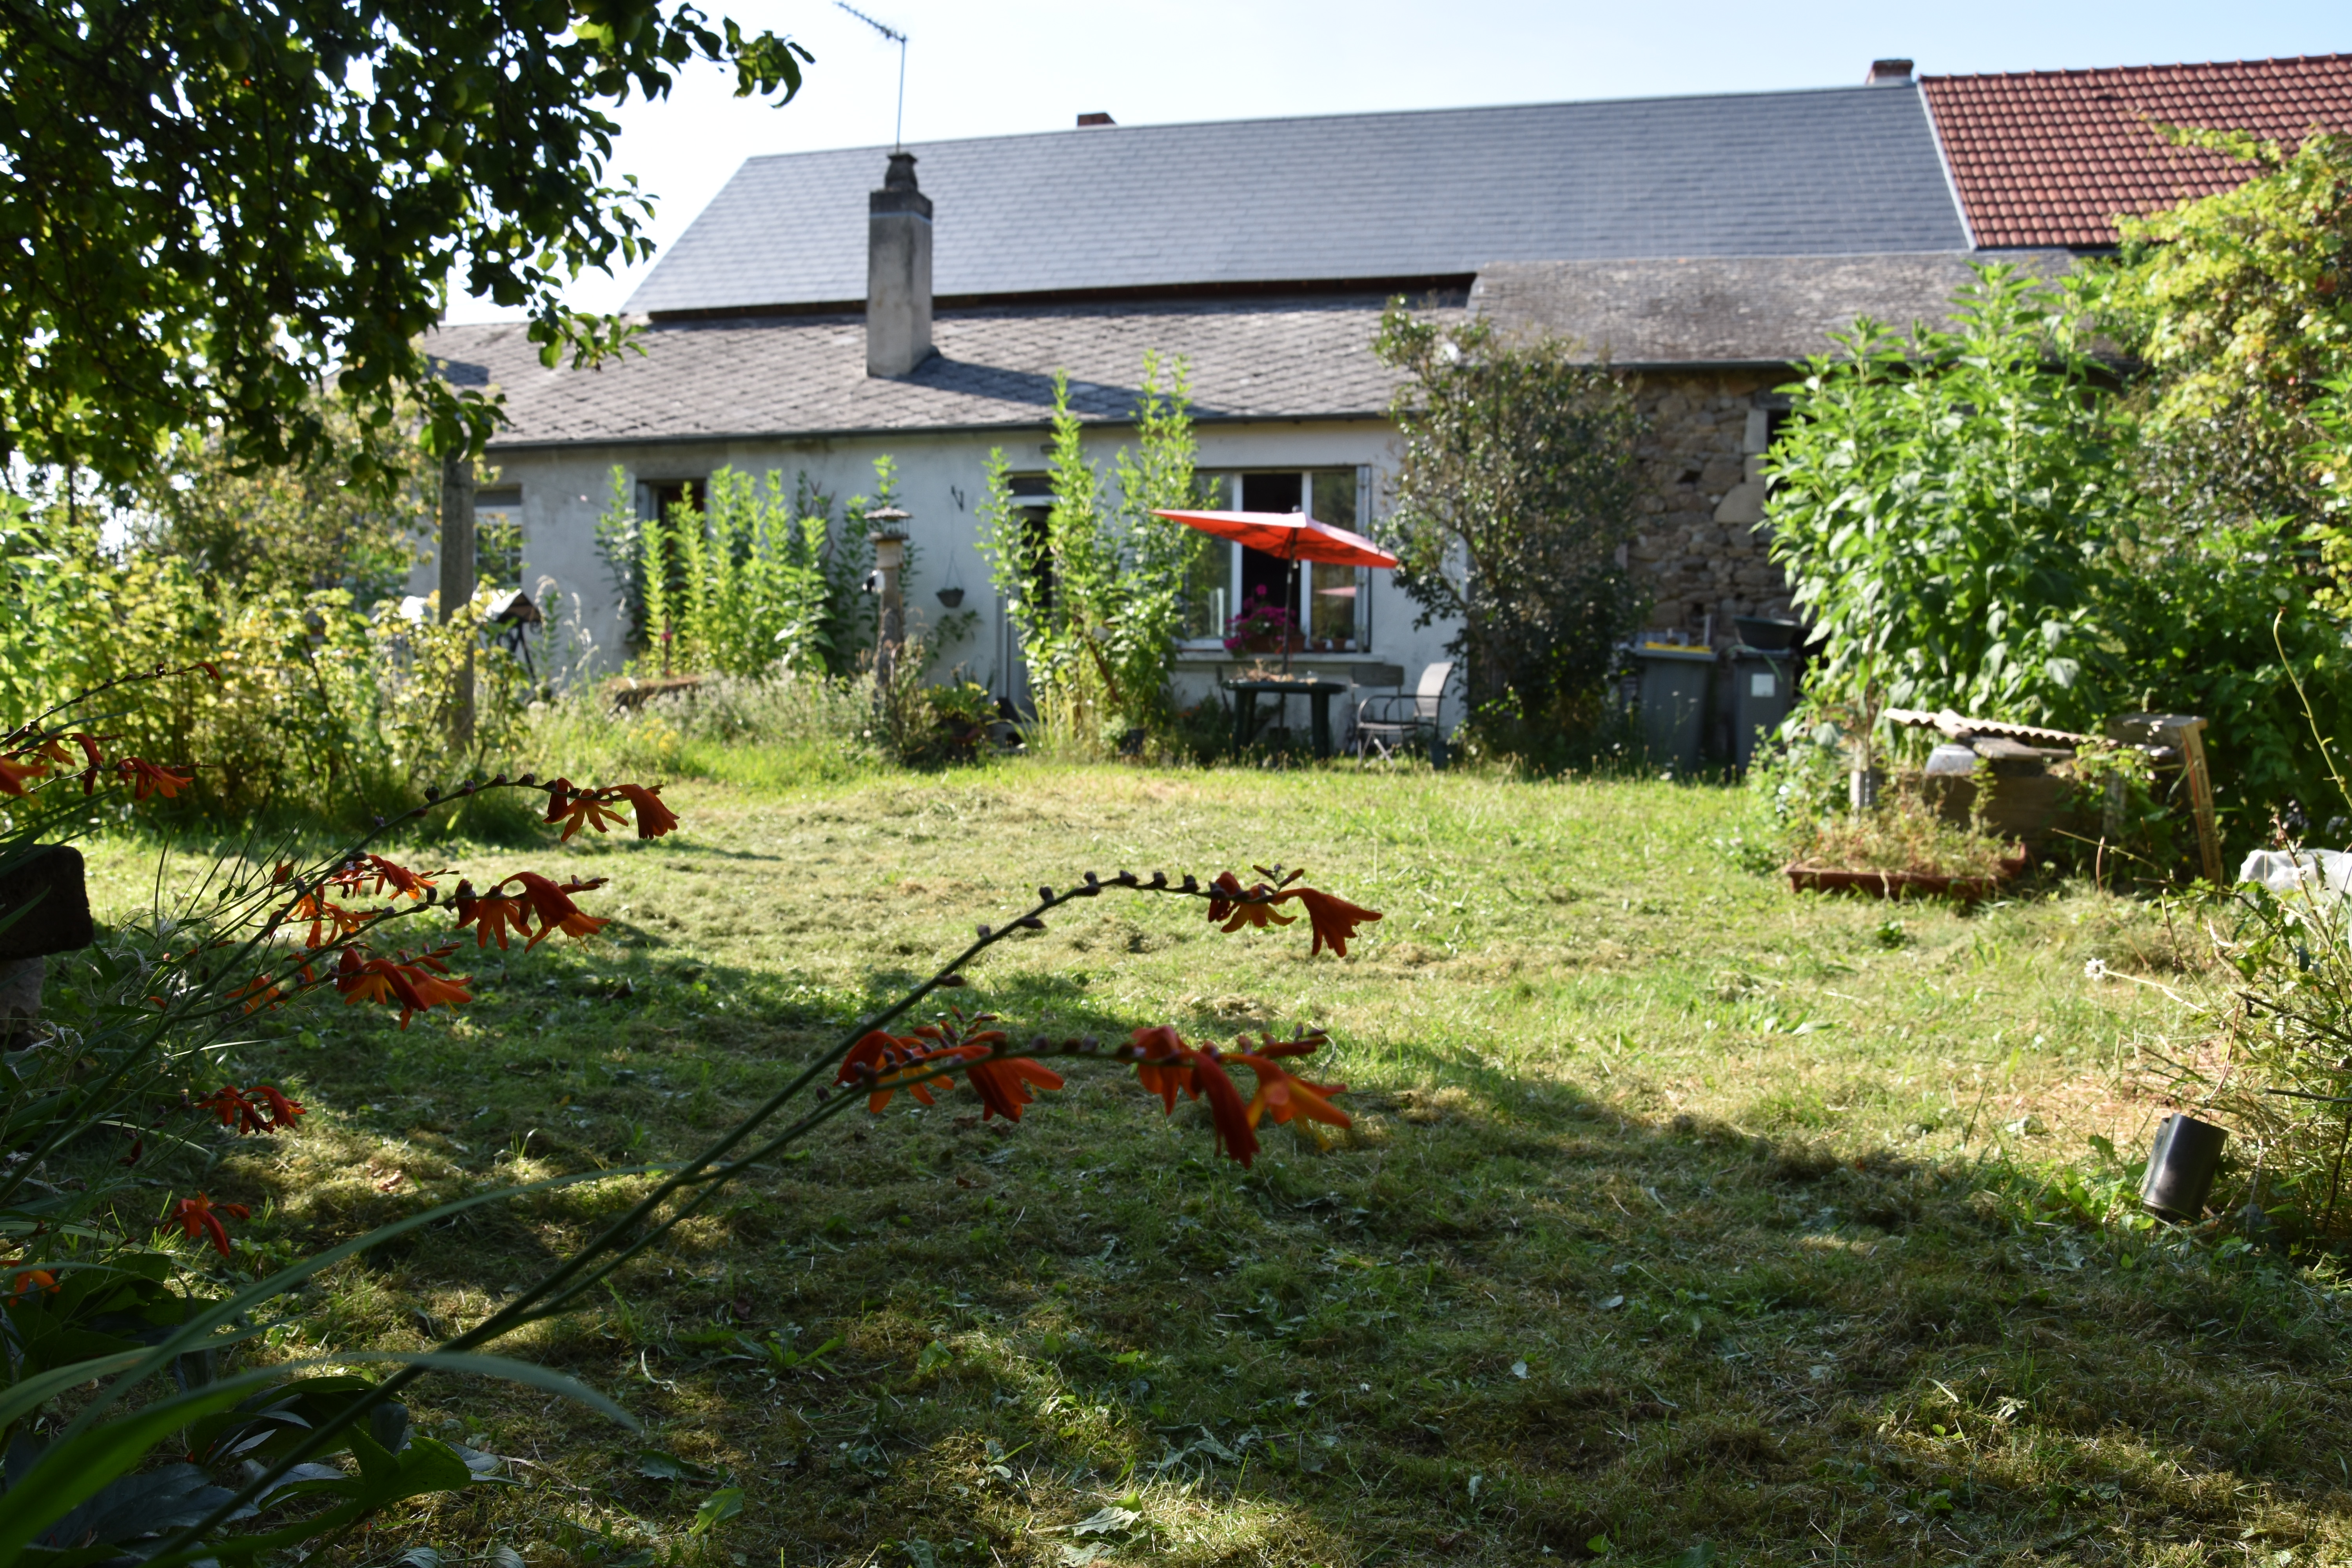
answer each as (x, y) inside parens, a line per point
(261, 1109)
(1287, 1096)
(654, 818)
(280, 1110)
(399, 878)
(1334, 919)
(1241, 906)
(556, 912)
(147, 779)
(231, 1106)
(201, 1218)
(414, 987)
(1003, 1083)
(329, 921)
(32, 1279)
(577, 809)
(1234, 1126)
(492, 914)
(1166, 1065)
(889, 1056)
(14, 774)
(259, 992)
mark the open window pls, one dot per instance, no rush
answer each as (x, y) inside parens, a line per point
(1332, 605)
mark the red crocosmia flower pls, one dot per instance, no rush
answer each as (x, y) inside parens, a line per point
(578, 809)
(887, 1056)
(1334, 919)
(55, 751)
(13, 773)
(1284, 1095)
(329, 921)
(1227, 1112)
(1166, 1065)
(231, 1106)
(280, 1110)
(201, 1218)
(209, 667)
(654, 818)
(259, 992)
(554, 908)
(414, 987)
(32, 1280)
(88, 745)
(1249, 908)
(399, 878)
(1003, 1084)
(491, 915)
(147, 779)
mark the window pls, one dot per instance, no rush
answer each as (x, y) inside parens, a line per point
(1331, 603)
(497, 537)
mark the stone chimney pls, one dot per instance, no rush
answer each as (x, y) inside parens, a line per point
(897, 272)
(1888, 73)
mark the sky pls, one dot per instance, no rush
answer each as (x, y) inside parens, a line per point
(1016, 65)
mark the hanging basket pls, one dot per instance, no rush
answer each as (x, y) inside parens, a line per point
(951, 597)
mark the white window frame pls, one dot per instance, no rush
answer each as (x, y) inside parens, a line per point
(1223, 599)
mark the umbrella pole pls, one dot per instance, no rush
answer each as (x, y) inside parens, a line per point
(1293, 610)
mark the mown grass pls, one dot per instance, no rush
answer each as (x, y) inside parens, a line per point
(1678, 1210)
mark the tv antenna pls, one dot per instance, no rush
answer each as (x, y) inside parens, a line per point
(897, 132)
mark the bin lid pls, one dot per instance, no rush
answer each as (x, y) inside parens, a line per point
(1667, 650)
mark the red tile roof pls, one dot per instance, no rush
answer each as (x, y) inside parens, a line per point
(2045, 158)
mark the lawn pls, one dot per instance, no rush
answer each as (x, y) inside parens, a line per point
(1681, 1215)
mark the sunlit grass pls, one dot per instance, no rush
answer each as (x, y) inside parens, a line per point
(1678, 1208)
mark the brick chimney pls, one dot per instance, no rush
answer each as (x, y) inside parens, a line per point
(1097, 118)
(897, 272)
(1888, 73)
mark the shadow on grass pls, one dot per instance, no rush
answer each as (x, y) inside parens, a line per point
(1495, 1319)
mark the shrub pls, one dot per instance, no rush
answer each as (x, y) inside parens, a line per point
(1514, 499)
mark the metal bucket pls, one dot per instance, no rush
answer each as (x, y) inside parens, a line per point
(2181, 1167)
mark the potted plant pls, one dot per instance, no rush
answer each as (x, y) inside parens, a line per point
(1263, 626)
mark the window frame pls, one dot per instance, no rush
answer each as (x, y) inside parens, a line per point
(1228, 483)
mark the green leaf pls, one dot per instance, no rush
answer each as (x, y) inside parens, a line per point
(718, 1507)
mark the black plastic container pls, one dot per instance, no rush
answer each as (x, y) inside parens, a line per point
(1767, 634)
(2181, 1167)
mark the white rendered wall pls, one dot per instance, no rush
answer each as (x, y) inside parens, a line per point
(939, 479)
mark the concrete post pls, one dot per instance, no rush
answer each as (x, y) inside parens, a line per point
(890, 562)
(458, 583)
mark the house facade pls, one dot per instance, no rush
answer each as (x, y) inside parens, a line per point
(832, 308)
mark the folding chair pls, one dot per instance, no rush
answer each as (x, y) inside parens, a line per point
(1392, 723)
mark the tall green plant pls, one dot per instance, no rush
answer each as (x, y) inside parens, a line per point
(1101, 588)
(1514, 500)
(747, 583)
(1951, 513)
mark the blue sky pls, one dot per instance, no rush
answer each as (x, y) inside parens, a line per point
(1013, 65)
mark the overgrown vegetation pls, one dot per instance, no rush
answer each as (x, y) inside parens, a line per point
(1097, 593)
(1514, 500)
(740, 579)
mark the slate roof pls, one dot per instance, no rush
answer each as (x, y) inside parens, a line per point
(1753, 310)
(2050, 157)
(1335, 199)
(806, 377)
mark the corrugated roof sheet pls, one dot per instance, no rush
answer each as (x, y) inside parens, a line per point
(806, 376)
(2051, 157)
(1333, 198)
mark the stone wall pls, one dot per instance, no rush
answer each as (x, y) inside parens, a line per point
(1701, 552)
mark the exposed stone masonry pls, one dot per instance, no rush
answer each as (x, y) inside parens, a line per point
(1702, 551)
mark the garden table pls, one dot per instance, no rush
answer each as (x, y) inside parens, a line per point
(1319, 694)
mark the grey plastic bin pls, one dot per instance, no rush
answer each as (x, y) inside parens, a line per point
(1760, 696)
(1673, 698)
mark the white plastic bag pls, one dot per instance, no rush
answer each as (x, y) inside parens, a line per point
(2313, 872)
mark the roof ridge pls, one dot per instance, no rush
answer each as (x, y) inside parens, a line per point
(2079, 73)
(1148, 126)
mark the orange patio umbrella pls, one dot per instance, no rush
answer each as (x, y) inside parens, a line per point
(1291, 536)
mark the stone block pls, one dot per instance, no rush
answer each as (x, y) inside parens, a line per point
(46, 885)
